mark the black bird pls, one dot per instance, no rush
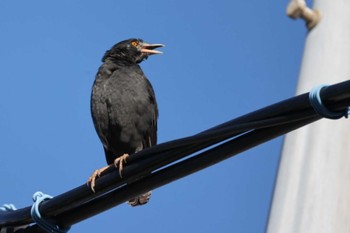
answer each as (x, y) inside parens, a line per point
(123, 106)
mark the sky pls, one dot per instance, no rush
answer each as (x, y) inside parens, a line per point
(222, 59)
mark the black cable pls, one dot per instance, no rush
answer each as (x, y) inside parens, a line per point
(176, 171)
(242, 133)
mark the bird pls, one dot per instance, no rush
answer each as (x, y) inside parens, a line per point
(123, 106)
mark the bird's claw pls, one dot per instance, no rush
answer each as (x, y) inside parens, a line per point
(92, 179)
(119, 163)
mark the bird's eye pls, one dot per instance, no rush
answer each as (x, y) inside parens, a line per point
(134, 43)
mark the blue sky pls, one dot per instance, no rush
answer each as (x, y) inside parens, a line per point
(222, 59)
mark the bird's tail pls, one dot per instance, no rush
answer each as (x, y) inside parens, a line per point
(140, 200)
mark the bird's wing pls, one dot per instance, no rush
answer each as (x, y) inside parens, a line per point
(99, 105)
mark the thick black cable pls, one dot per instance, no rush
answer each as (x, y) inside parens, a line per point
(177, 171)
(114, 180)
(335, 97)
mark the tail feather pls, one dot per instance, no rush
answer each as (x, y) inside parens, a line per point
(140, 200)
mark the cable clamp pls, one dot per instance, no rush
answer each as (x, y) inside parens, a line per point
(10, 229)
(320, 108)
(8, 207)
(38, 198)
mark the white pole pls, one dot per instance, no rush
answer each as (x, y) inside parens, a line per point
(312, 192)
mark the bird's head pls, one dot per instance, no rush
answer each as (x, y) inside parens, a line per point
(131, 51)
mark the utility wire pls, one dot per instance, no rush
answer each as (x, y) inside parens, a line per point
(167, 162)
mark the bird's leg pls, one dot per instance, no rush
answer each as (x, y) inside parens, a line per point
(119, 163)
(92, 179)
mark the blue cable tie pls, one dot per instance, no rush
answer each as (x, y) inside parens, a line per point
(8, 207)
(10, 229)
(39, 197)
(318, 106)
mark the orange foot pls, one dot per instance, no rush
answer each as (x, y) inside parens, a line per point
(119, 163)
(92, 179)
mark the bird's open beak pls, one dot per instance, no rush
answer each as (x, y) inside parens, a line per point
(149, 48)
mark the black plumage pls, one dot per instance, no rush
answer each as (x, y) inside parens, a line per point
(123, 103)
